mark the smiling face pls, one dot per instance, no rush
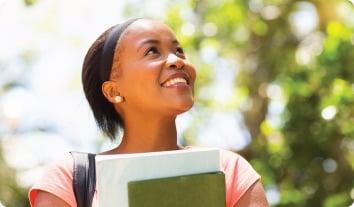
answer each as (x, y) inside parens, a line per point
(151, 71)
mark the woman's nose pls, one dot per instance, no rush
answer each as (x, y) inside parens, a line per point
(175, 62)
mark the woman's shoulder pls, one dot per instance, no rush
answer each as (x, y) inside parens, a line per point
(228, 157)
(239, 175)
(61, 168)
(56, 179)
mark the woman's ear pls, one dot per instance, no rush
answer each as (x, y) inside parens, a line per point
(110, 91)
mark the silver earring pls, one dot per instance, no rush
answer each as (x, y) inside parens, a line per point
(118, 99)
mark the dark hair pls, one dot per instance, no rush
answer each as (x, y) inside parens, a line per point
(96, 70)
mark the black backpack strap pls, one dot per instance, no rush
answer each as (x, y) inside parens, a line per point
(84, 178)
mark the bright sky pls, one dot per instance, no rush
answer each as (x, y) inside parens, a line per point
(43, 48)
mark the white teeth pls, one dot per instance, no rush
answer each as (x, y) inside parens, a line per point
(174, 81)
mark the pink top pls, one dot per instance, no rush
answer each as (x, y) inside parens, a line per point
(57, 179)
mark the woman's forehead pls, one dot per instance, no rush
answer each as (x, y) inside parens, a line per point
(144, 29)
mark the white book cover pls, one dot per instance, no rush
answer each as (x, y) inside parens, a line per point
(115, 171)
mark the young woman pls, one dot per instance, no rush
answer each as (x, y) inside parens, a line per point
(136, 77)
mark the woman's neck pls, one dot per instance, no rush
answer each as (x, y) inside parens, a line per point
(148, 134)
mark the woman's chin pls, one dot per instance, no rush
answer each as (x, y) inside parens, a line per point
(184, 106)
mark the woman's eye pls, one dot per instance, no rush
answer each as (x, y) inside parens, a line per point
(180, 51)
(152, 50)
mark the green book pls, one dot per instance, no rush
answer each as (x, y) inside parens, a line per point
(199, 190)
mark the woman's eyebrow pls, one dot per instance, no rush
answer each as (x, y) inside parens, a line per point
(148, 41)
(175, 42)
(154, 41)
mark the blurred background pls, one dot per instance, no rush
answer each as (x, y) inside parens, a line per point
(275, 84)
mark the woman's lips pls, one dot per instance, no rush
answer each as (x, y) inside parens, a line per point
(178, 85)
(176, 78)
(174, 81)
